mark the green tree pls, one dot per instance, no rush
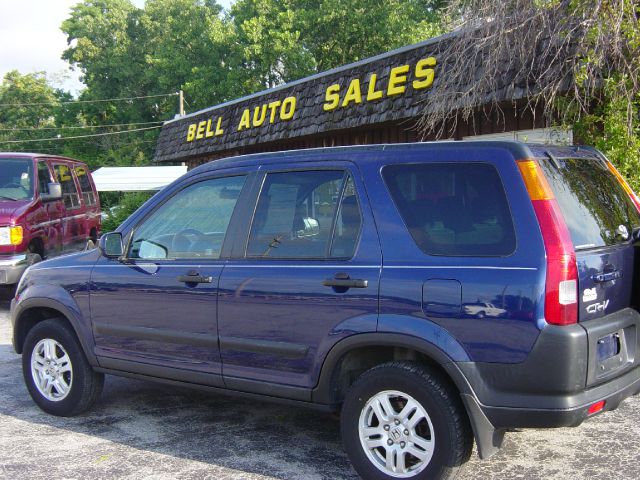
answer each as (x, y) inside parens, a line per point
(126, 52)
(29, 108)
(104, 38)
(278, 41)
(186, 46)
(337, 32)
(268, 46)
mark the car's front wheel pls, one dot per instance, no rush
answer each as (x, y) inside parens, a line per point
(401, 420)
(56, 371)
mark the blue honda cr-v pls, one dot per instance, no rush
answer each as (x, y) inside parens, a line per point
(435, 293)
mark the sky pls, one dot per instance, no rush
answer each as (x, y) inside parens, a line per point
(31, 40)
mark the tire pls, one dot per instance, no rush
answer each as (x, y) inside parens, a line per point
(435, 427)
(56, 371)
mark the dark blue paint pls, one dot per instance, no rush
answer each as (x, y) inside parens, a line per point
(442, 298)
(285, 301)
(609, 296)
(149, 295)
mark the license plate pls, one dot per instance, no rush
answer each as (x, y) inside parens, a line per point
(608, 346)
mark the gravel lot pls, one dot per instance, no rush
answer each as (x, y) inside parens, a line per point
(144, 430)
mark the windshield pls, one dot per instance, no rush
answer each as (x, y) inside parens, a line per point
(16, 179)
(594, 205)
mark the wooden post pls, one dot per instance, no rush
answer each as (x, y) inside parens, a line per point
(181, 103)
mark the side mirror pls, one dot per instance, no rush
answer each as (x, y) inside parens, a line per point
(152, 250)
(55, 193)
(111, 245)
(311, 228)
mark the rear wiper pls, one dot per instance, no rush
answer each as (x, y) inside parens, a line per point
(2, 197)
(554, 160)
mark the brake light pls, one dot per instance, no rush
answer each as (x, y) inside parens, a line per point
(625, 185)
(561, 288)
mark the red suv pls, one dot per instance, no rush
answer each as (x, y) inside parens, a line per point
(48, 205)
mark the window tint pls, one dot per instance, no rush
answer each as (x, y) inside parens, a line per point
(69, 190)
(44, 178)
(295, 216)
(457, 209)
(88, 196)
(191, 224)
(592, 201)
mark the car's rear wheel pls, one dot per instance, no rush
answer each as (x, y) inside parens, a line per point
(56, 371)
(401, 420)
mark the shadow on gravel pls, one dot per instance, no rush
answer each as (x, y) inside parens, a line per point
(247, 436)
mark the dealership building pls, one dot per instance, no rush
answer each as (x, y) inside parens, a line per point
(376, 100)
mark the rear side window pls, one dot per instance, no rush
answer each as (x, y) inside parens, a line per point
(69, 190)
(454, 209)
(85, 186)
(593, 203)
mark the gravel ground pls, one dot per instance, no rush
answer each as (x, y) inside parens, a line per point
(142, 430)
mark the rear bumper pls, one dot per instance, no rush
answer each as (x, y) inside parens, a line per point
(12, 268)
(565, 374)
(612, 393)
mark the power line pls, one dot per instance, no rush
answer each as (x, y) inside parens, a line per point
(33, 129)
(119, 99)
(79, 136)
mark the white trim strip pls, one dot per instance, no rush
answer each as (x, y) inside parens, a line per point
(395, 267)
(302, 266)
(468, 267)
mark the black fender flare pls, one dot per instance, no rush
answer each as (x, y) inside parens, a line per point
(488, 438)
(322, 392)
(82, 329)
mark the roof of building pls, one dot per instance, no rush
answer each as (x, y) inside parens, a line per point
(391, 87)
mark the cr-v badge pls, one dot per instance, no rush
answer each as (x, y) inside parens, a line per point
(598, 307)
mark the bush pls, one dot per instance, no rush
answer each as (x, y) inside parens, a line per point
(118, 212)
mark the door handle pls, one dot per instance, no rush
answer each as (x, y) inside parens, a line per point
(342, 280)
(194, 277)
(606, 277)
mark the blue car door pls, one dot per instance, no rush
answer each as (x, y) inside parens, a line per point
(154, 311)
(306, 277)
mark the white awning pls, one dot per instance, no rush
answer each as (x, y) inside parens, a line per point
(135, 179)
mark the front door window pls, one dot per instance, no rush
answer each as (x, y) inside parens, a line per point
(191, 224)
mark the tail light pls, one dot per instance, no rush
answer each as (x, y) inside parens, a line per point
(625, 185)
(561, 288)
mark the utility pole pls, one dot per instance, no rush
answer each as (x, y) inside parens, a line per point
(181, 103)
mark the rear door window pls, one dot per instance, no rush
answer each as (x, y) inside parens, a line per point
(593, 203)
(69, 191)
(88, 196)
(453, 209)
(306, 214)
